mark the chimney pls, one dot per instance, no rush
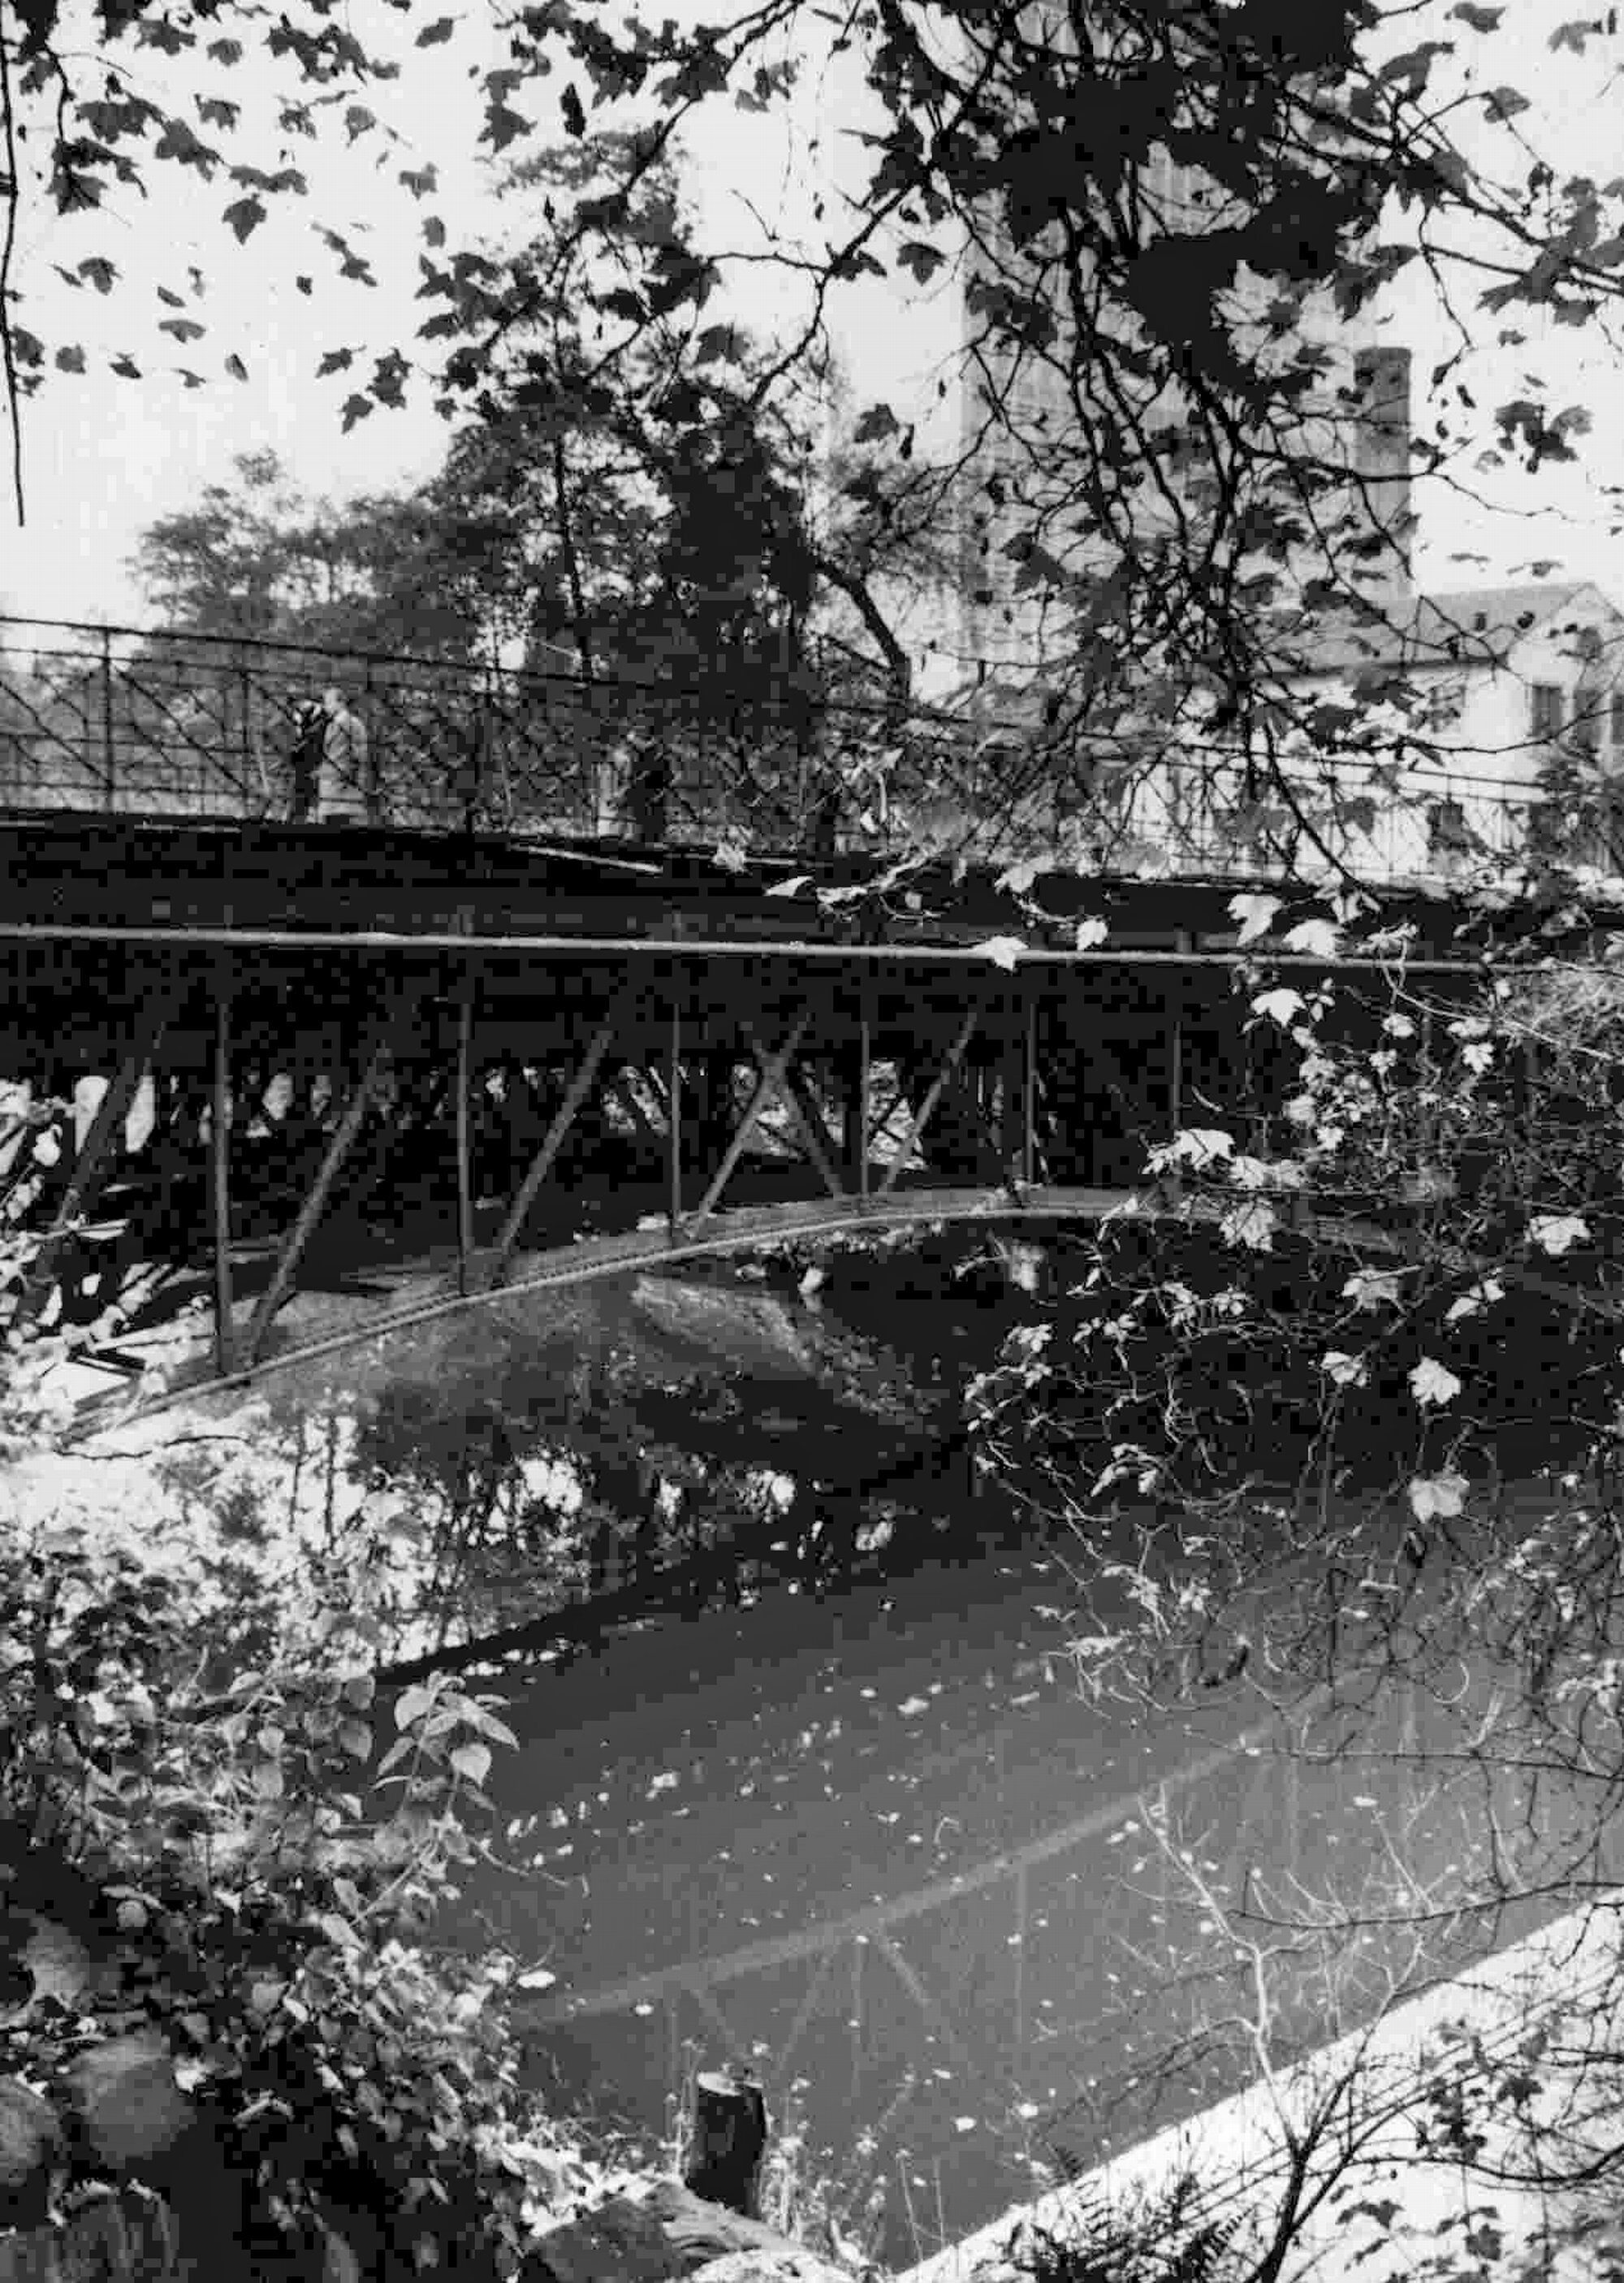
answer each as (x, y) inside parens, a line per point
(1381, 452)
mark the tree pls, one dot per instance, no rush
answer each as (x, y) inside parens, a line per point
(186, 1827)
(420, 574)
(1374, 1248)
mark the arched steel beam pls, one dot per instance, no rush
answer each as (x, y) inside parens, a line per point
(748, 1226)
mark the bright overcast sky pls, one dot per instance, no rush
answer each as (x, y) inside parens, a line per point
(103, 456)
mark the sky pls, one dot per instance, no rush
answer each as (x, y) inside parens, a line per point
(104, 456)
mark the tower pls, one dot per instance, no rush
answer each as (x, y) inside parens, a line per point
(1054, 449)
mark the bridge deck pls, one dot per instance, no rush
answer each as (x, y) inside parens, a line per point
(71, 872)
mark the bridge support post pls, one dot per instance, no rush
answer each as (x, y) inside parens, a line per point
(802, 1104)
(922, 1115)
(464, 1135)
(673, 1122)
(769, 1082)
(220, 1167)
(92, 1161)
(859, 1087)
(1019, 1105)
(581, 1085)
(315, 1205)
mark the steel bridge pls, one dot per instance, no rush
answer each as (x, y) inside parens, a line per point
(559, 1051)
(602, 1059)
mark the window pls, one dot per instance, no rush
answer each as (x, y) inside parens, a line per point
(1546, 709)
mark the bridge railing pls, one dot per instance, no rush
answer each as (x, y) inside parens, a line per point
(125, 721)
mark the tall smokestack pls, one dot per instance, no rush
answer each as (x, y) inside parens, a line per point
(1381, 453)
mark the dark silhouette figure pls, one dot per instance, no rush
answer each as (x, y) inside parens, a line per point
(305, 759)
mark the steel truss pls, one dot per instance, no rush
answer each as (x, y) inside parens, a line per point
(577, 1111)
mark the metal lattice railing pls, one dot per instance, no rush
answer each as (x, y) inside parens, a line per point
(184, 726)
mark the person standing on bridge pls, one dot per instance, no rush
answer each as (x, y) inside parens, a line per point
(304, 760)
(344, 787)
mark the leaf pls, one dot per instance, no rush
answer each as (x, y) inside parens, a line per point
(791, 886)
(1371, 1287)
(355, 408)
(1432, 1382)
(1553, 1233)
(1317, 939)
(1344, 1370)
(876, 424)
(472, 1760)
(433, 36)
(724, 341)
(1200, 1146)
(1091, 933)
(419, 181)
(1252, 1224)
(178, 142)
(574, 117)
(1503, 103)
(389, 377)
(237, 370)
(1002, 950)
(339, 1930)
(358, 121)
(335, 361)
(125, 366)
(921, 261)
(1481, 20)
(504, 125)
(70, 360)
(1473, 1303)
(243, 216)
(1281, 1006)
(355, 1736)
(184, 329)
(1434, 1495)
(99, 271)
(411, 1705)
(534, 1977)
(1255, 915)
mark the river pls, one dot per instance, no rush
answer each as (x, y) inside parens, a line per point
(868, 1834)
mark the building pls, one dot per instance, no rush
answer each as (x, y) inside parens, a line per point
(1106, 464)
(1506, 711)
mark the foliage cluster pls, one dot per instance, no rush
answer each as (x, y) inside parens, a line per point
(253, 1846)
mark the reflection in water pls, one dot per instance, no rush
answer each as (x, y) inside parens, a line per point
(825, 1793)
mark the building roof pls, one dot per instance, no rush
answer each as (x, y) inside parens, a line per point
(1484, 624)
